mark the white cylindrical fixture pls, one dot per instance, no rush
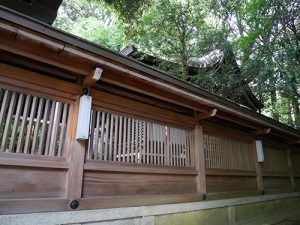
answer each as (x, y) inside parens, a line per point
(84, 115)
(259, 151)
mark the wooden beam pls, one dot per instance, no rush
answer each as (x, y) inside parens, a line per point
(294, 142)
(93, 77)
(207, 115)
(75, 156)
(263, 131)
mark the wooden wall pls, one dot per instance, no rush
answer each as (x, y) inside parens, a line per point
(275, 168)
(137, 154)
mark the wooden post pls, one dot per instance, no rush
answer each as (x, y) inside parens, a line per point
(290, 164)
(200, 159)
(259, 177)
(75, 157)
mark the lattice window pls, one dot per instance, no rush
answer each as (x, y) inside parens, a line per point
(119, 138)
(226, 153)
(32, 125)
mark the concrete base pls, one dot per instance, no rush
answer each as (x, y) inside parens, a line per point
(258, 210)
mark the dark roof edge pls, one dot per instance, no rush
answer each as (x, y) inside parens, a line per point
(48, 30)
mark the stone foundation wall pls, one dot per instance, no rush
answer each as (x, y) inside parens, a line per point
(266, 209)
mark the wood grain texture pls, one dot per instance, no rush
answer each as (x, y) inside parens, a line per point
(75, 157)
(275, 159)
(277, 183)
(230, 183)
(97, 184)
(13, 206)
(21, 182)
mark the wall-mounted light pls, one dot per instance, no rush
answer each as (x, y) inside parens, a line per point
(259, 151)
(84, 114)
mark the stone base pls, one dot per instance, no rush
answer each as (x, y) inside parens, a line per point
(258, 210)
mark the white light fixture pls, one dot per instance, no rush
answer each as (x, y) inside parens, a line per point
(259, 151)
(84, 114)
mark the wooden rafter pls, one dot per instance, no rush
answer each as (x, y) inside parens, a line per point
(263, 131)
(93, 77)
(207, 115)
(294, 142)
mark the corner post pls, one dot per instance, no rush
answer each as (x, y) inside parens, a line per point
(200, 159)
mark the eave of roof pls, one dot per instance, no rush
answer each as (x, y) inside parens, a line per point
(183, 87)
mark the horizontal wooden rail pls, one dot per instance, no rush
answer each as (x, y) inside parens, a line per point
(11, 206)
(232, 194)
(275, 174)
(13, 159)
(136, 168)
(216, 172)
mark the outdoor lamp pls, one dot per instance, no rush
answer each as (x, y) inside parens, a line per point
(83, 123)
(259, 151)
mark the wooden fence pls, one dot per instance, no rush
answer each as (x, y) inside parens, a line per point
(136, 154)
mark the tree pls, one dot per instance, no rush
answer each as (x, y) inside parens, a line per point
(92, 21)
(170, 30)
(265, 38)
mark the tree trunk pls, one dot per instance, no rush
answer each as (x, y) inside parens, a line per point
(289, 114)
(275, 114)
(296, 111)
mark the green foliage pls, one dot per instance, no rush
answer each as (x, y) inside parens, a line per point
(260, 40)
(92, 21)
(170, 30)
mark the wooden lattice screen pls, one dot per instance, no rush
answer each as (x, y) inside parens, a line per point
(31, 124)
(120, 138)
(227, 153)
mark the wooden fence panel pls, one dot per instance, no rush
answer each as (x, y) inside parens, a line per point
(31, 124)
(275, 168)
(117, 138)
(228, 153)
(230, 165)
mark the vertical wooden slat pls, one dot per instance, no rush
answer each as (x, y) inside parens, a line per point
(154, 138)
(136, 138)
(50, 125)
(16, 122)
(106, 136)
(24, 121)
(8, 122)
(4, 106)
(63, 130)
(56, 119)
(124, 140)
(111, 129)
(143, 132)
(91, 150)
(168, 147)
(29, 127)
(147, 143)
(140, 142)
(128, 139)
(116, 138)
(37, 124)
(100, 130)
(120, 138)
(44, 127)
(132, 142)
